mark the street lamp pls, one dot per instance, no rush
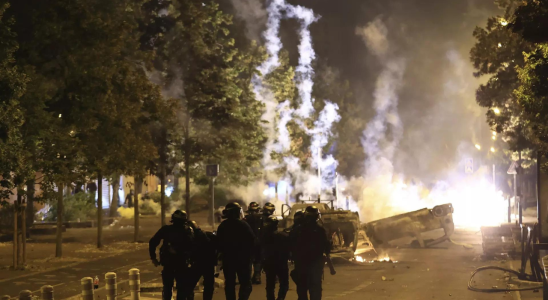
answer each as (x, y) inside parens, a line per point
(496, 110)
(478, 147)
(493, 149)
(503, 22)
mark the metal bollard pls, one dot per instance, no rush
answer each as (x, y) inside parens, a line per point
(46, 292)
(135, 284)
(111, 286)
(87, 288)
(25, 295)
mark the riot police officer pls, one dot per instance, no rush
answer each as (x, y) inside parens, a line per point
(175, 254)
(309, 244)
(297, 221)
(255, 221)
(275, 247)
(204, 260)
(236, 241)
(268, 210)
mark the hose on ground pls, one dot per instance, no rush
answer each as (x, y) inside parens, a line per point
(497, 290)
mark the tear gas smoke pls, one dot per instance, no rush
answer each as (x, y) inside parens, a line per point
(279, 140)
(254, 15)
(381, 191)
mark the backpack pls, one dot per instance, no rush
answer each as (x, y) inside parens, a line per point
(177, 245)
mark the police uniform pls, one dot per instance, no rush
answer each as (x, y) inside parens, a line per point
(204, 260)
(309, 243)
(175, 255)
(275, 247)
(236, 240)
(255, 221)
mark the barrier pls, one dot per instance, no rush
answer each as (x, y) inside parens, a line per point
(87, 288)
(25, 295)
(111, 286)
(135, 284)
(46, 292)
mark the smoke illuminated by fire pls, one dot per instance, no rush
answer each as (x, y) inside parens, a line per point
(381, 191)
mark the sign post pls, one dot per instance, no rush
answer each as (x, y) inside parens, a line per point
(514, 170)
(469, 165)
(212, 171)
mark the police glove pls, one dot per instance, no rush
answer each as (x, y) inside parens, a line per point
(155, 262)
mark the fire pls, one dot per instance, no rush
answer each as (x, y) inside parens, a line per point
(475, 200)
(384, 258)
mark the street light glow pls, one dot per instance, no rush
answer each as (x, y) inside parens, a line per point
(478, 147)
(492, 149)
(496, 110)
(503, 22)
(494, 138)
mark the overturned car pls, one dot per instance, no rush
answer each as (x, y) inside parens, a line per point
(412, 224)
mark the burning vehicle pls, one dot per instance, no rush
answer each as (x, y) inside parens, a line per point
(342, 226)
(412, 224)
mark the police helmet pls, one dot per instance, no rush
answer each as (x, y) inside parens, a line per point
(253, 207)
(194, 225)
(232, 210)
(298, 218)
(271, 223)
(269, 209)
(179, 216)
(312, 213)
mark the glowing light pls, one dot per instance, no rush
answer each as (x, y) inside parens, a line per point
(492, 149)
(500, 45)
(496, 110)
(494, 138)
(494, 133)
(503, 22)
(60, 115)
(478, 147)
(360, 259)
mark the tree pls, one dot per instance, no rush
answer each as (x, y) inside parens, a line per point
(87, 55)
(529, 22)
(15, 159)
(497, 53)
(532, 95)
(348, 150)
(200, 66)
(15, 163)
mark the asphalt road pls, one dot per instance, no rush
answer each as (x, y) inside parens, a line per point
(434, 273)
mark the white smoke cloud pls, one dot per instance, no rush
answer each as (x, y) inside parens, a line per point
(375, 37)
(254, 15)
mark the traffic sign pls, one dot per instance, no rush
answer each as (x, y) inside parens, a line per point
(513, 169)
(468, 165)
(212, 170)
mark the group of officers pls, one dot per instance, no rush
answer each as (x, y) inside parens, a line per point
(245, 247)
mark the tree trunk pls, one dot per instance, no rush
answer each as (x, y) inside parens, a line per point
(20, 225)
(15, 237)
(30, 201)
(99, 210)
(163, 193)
(176, 182)
(60, 213)
(138, 182)
(23, 230)
(187, 167)
(115, 197)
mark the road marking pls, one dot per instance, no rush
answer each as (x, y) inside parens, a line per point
(359, 287)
